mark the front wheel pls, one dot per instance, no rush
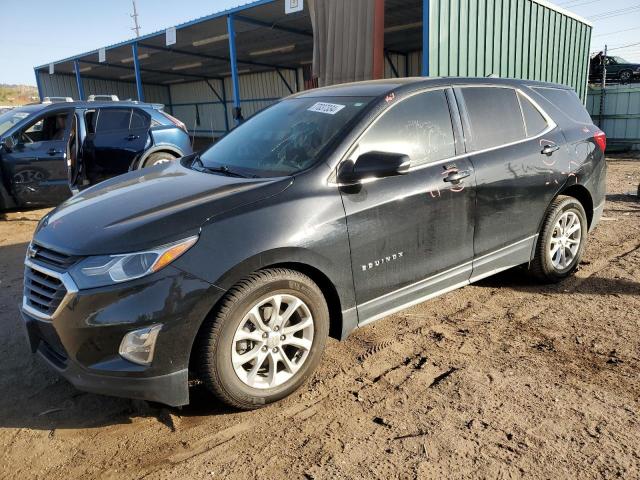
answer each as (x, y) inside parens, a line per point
(158, 158)
(561, 241)
(625, 76)
(265, 340)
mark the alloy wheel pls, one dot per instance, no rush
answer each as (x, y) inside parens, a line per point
(565, 240)
(160, 161)
(272, 341)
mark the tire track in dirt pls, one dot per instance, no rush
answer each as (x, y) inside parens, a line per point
(517, 396)
(403, 370)
(393, 361)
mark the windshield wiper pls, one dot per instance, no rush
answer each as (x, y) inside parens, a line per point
(221, 169)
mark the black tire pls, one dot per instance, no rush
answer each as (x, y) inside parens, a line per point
(215, 340)
(542, 266)
(156, 157)
(625, 76)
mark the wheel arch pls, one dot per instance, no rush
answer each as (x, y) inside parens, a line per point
(173, 150)
(327, 288)
(582, 194)
(577, 191)
(296, 259)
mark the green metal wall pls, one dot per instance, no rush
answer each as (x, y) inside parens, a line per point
(508, 38)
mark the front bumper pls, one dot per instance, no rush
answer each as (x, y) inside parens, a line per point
(81, 342)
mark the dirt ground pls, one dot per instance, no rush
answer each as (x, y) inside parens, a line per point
(502, 379)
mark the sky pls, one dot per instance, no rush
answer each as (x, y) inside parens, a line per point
(44, 30)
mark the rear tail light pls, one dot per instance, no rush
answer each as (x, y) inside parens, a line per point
(175, 121)
(601, 139)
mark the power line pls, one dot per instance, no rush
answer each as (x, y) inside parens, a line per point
(625, 46)
(614, 13)
(577, 4)
(614, 33)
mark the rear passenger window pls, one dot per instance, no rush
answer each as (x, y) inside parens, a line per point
(110, 119)
(567, 102)
(139, 120)
(495, 116)
(534, 122)
(419, 127)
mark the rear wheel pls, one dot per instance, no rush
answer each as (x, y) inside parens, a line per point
(265, 340)
(158, 158)
(561, 241)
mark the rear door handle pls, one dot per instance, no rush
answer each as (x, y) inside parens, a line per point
(133, 137)
(549, 149)
(53, 151)
(456, 177)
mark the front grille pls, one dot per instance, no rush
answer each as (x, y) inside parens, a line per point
(42, 292)
(50, 257)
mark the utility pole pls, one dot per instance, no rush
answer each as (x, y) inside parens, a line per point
(603, 84)
(136, 27)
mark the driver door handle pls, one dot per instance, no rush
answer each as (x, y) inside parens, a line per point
(549, 149)
(133, 137)
(53, 151)
(456, 177)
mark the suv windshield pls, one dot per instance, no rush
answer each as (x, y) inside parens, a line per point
(10, 118)
(283, 139)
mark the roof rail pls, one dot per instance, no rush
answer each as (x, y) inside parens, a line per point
(103, 98)
(57, 99)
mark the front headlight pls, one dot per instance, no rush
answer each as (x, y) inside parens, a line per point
(104, 270)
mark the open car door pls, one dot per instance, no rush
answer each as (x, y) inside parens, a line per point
(37, 164)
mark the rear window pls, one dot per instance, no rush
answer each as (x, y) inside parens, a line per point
(567, 102)
(495, 116)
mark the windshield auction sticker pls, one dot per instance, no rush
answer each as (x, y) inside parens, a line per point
(328, 108)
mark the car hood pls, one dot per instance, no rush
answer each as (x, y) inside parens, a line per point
(147, 208)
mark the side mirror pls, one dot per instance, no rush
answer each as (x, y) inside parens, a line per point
(9, 143)
(373, 165)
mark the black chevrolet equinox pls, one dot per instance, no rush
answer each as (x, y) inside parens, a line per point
(325, 212)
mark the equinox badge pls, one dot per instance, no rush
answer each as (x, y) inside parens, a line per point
(382, 261)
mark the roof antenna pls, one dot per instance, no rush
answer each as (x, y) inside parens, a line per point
(492, 75)
(136, 27)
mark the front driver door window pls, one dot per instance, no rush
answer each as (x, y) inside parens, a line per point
(38, 163)
(410, 235)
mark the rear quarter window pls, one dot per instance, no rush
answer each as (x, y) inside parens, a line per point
(534, 122)
(567, 102)
(139, 120)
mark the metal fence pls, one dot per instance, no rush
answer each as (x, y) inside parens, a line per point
(620, 118)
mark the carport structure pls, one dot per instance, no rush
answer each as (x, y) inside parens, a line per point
(243, 59)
